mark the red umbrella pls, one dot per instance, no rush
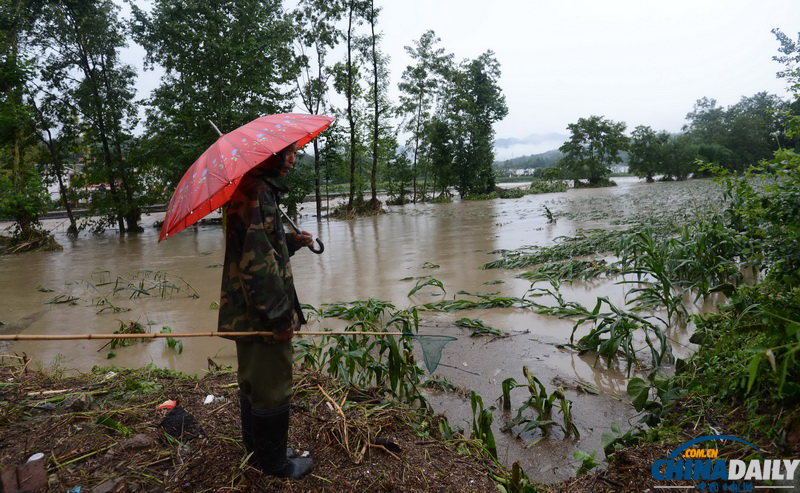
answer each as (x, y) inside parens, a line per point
(210, 181)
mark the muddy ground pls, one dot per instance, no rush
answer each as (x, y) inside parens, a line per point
(102, 432)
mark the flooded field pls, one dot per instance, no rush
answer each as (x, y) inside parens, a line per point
(98, 283)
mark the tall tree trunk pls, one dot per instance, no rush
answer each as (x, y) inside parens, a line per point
(375, 129)
(317, 194)
(350, 119)
(317, 164)
(132, 212)
(89, 71)
(72, 230)
(416, 149)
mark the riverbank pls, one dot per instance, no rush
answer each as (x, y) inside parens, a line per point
(103, 431)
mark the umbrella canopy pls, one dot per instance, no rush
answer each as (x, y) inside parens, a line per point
(211, 180)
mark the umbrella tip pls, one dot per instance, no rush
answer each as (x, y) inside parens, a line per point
(215, 127)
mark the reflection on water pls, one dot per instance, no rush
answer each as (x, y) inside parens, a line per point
(363, 258)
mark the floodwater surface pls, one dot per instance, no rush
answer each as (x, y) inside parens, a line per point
(364, 258)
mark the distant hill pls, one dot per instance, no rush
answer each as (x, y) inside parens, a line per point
(542, 160)
(545, 160)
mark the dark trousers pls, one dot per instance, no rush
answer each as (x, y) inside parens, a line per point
(265, 373)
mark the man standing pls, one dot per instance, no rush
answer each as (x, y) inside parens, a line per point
(258, 294)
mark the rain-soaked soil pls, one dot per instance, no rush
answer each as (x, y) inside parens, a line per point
(91, 286)
(103, 432)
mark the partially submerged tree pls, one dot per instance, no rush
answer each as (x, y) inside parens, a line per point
(56, 122)
(317, 31)
(22, 192)
(420, 86)
(83, 38)
(646, 152)
(475, 103)
(594, 146)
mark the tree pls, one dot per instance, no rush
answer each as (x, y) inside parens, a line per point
(755, 125)
(20, 188)
(740, 135)
(440, 154)
(226, 61)
(646, 152)
(83, 38)
(680, 158)
(595, 145)
(475, 103)
(24, 201)
(57, 125)
(347, 82)
(398, 178)
(315, 22)
(377, 95)
(420, 85)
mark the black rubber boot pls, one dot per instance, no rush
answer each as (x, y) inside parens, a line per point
(247, 426)
(247, 422)
(271, 435)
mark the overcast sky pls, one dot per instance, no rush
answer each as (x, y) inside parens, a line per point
(644, 62)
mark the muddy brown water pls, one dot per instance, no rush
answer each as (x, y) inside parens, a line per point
(363, 258)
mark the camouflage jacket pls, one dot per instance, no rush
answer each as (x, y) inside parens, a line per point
(257, 286)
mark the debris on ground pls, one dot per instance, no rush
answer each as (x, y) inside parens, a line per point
(101, 432)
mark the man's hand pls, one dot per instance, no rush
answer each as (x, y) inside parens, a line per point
(300, 240)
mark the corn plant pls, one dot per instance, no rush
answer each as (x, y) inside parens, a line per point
(508, 385)
(572, 270)
(368, 360)
(540, 402)
(478, 327)
(426, 281)
(172, 343)
(566, 412)
(653, 262)
(487, 300)
(130, 328)
(612, 332)
(482, 424)
(586, 242)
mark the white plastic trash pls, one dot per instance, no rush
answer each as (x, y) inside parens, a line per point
(35, 457)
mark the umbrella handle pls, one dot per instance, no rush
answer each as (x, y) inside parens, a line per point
(320, 249)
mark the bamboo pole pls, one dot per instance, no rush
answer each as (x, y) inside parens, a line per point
(176, 335)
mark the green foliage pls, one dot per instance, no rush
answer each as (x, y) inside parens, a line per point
(647, 152)
(614, 440)
(572, 270)
(595, 145)
(82, 41)
(478, 327)
(482, 424)
(109, 423)
(515, 481)
(24, 202)
(426, 281)
(172, 343)
(586, 242)
(131, 328)
(368, 360)
(190, 40)
(476, 102)
(588, 461)
(612, 332)
(486, 301)
(540, 402)
(740, 135)
(547, 186)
